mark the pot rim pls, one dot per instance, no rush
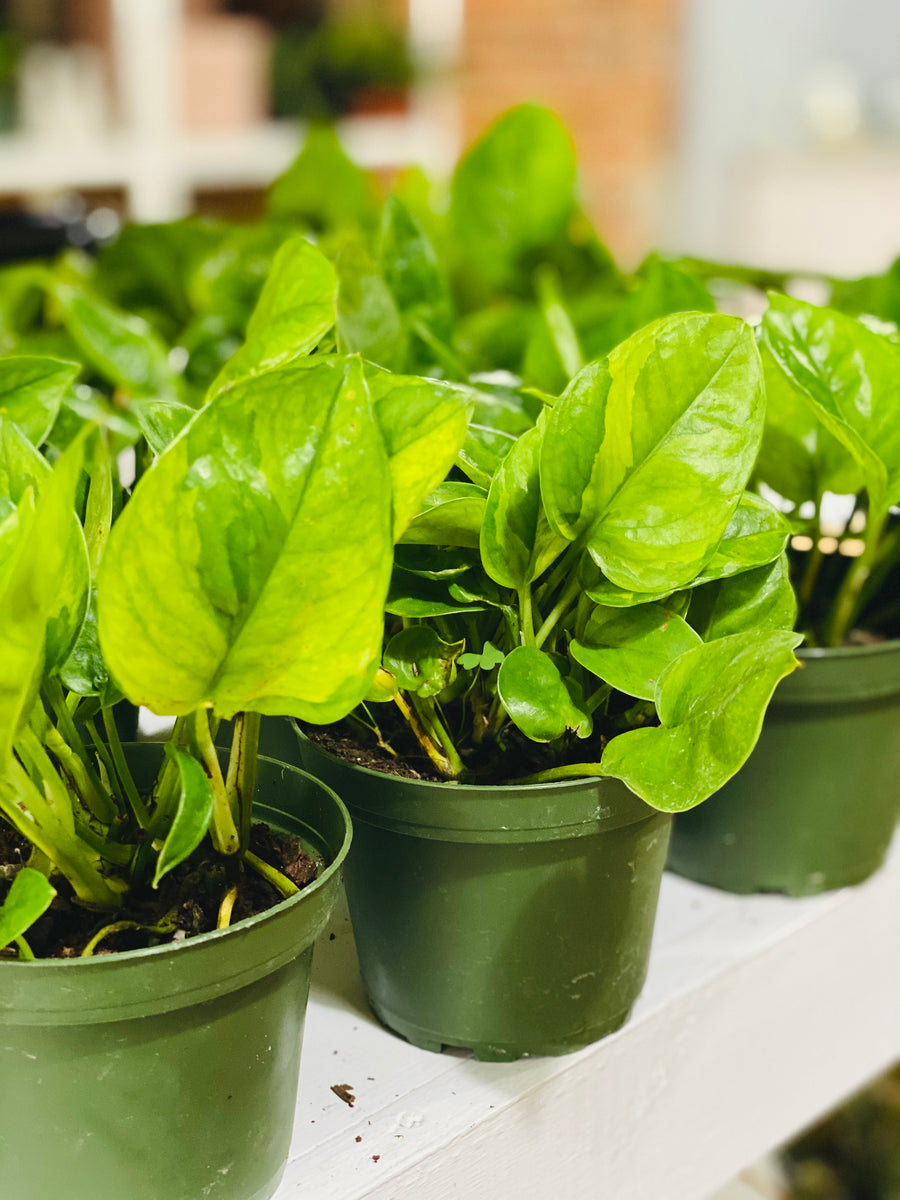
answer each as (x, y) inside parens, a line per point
(51, 966)
(872, 650)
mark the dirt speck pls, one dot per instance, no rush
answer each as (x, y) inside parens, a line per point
(344, 1091)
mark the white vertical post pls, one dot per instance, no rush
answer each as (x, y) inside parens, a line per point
(435, 36)
(147, 43)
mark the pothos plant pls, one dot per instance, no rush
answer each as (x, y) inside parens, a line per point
(833, 425)
(602, 597)
(246, 575)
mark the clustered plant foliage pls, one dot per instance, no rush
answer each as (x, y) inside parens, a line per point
(432, 456)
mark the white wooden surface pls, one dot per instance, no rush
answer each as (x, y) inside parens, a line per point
(759, 1014)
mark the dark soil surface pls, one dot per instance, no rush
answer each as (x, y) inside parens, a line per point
(187, 901)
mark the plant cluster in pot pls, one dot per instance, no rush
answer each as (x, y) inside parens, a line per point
(580, 640)
(816, 806)
(246, 575)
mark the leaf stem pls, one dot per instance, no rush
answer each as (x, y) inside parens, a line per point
(570, 593)
(281, 883)
(571, 771)
(26, 954)
(225, 837)
(240, 782)
(422, 736)
(135, 803)
(846, 605)
(226, 908)
(526, 616)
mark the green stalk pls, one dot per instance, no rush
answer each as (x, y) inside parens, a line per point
(431, 719)
(441, 351)
(565, 565)
(226, 908)
(284, 886)
(443, 764)
(526, 616)
(846, 606)
(557, 319)
(572, 771)
(118, 927)
(240, 782)
(225, 837)
(90, 793)
(56, 795)
(570, 593)
(26, 954)
(103, 754)
(132, 795)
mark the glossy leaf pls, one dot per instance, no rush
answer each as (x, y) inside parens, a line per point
(517, 542)
(23, 469)
(537, 698)
(29, 897)
(485, 659)
(85, 671)
(423, 423)
(850, 376)
(121, 347)
(412, 596)
(451, 515)
(631, 648)
(711, 704)
(250, 568)
(649, 462)
(482, 453)
(31, 391)
(39, 603)
(760, 599)
(295, 310)
(323, 188)
(412, 271)
(192, 814)
(512, 192)
(420, 661)
(368, 320)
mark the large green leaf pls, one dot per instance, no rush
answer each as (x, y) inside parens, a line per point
(30, 895)
(541, 703)
(711, 703)
(517, 542)
(249, 571)
(760, 599)
(420, 661)
(23, 469)
(482, 453)
(40, 604)
(513, 192)
(851, 376)
(423, 423)
(630, 648)
(647, 459)
(31, 391)
(294, 312)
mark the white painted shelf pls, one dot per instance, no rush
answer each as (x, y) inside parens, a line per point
(759, 1014)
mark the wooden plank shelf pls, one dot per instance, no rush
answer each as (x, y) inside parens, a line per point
(759, 1014)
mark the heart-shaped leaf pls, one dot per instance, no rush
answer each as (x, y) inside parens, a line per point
(420, 661)
(192, 814)
(760, 599)
(29, 897)
(630, 648)
(31, 391)
(538, 698)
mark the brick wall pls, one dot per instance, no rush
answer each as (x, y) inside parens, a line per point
(609, 68)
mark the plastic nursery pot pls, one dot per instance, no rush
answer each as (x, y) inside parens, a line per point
(815, 806)
(169, 1073)
(506, 920)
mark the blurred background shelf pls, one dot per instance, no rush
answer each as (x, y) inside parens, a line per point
(759, 1014)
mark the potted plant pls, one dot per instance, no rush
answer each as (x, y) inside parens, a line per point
(581, 639)
(816, 806)
(246, 575)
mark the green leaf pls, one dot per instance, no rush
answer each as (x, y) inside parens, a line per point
(29, 897)
(647, 460)
(761, 599)
(517, 542)
(451, 515)
(368, 321)
(513, 192)
(482, 453)
(120, 347)
(31, 391)
(192, 815)
(42, 596)
(486, 659)
(420, 661)
(412, 272)
(711, 703)
(851, 376)
(85, 671)
(537, 698)
(250, 568)
(631, 648)
(323, 188)
(412, 596)
(60, 546)
(423, 423)
(295, 310)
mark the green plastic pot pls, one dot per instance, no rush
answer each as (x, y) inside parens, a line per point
(815, 806)
(506, 920)
(169, 1073)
